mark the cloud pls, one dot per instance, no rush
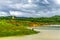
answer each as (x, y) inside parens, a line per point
(29, 8)
(4, 14)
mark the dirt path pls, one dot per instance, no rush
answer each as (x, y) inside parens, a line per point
(44, 35)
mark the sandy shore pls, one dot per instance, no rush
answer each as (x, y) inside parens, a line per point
(44, 35)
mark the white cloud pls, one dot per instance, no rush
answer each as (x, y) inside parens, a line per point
(16, 13)
(15, 6)
(3, 14)
(31, 8)
(46, 1)
(30, 1)
(22, 6)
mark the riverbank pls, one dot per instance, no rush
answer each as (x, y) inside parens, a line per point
(13, 28)
(44, 35)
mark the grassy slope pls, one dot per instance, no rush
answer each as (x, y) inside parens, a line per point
(12, 28)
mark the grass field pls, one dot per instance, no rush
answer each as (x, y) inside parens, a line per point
(13, 28)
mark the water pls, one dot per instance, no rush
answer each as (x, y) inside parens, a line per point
(48, 28)
(49, 33)
(46, 33)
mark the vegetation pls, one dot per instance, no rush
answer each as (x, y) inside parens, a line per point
(39, 21)
(18, 26)
(13, 28)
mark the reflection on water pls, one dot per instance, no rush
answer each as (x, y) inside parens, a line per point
(49, 33)
(49, 28)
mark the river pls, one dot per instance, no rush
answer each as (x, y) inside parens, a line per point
(46, 33)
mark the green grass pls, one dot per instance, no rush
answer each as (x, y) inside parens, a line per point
(10, 28)
(16, 32)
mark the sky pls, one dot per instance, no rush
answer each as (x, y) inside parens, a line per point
(29, 8)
